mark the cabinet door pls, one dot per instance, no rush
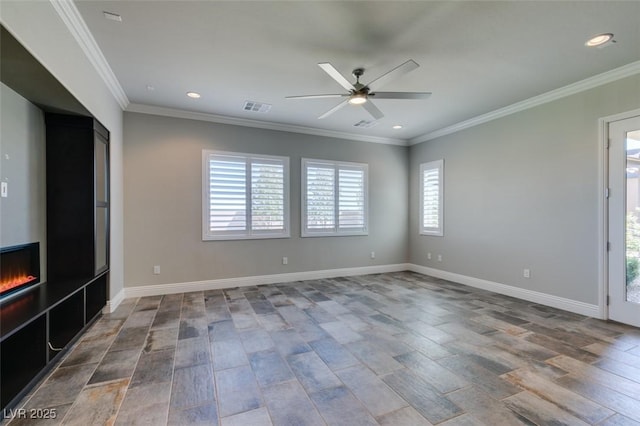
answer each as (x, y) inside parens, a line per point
(102, 239)
(101, 151)
(95, 297)
(101, 158)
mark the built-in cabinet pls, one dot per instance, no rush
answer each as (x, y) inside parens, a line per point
(77, 197)
(38, 325)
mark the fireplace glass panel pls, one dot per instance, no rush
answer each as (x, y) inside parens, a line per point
(19, 267)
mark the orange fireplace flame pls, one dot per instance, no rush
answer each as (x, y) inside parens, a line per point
(16, 281)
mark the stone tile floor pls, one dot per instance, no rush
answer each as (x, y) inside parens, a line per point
(389, 349)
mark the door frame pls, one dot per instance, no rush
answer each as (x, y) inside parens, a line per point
(603, 214)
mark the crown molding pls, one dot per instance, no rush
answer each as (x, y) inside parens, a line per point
(580, 86)
(74, 22)
(192, 115)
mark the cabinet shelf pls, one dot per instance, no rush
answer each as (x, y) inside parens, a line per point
(44, 315)
(18, 311)
(40, 324)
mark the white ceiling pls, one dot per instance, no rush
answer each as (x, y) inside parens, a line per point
(475, 56)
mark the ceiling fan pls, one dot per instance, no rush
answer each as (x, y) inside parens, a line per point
(361, 94)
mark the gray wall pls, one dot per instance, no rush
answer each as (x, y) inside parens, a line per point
(163, 190)
(522, 192)
(22, 166)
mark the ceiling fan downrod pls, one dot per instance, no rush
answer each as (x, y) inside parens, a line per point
(361, 92)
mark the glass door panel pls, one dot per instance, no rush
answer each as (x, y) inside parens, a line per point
(632, 231)
(624, 221)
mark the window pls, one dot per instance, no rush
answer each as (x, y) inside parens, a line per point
(431, 197)
(245, 196)
(334, 198)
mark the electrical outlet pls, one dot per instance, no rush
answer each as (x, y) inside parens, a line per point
(156, 269)
(428, 256)
(4, 192)
(439, 258)
(285, 260)
(373, 254)
(526, 273)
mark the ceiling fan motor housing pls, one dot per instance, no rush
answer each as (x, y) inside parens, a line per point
(359, 87)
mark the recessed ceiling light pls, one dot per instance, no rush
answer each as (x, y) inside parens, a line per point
(397, 127)
(112, 16)
(193, 95)
(600, 40)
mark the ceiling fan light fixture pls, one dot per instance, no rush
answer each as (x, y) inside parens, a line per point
(358, 99)
(600, 40)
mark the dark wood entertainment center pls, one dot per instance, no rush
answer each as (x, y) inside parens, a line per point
(40, 323)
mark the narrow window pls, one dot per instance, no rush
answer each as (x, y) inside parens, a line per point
(431, 198)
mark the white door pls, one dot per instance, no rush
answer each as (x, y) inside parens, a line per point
(624, 221)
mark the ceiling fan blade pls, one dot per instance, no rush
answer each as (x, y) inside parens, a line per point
(373, 110)
(400, 95)
(335, 74)
(332, 95)
(401, 69)
(334, 109)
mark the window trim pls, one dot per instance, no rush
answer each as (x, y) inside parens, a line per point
(336, 231)
(432, 231)
(248, 233)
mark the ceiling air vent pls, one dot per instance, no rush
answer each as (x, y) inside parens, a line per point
(112, 16)
(366, 124)
(256, 106)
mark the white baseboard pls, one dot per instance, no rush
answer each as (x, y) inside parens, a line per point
(218, 284)
(185, 287)
(508, 290)
(114, 302)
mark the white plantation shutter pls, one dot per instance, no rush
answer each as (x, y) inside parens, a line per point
(320, 197)
(227, 194)
(431, 197)
(334, 198)
(244, 196)
(267, 195)
(351, 214)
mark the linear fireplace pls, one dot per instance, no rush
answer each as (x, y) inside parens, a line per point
(19, 268)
